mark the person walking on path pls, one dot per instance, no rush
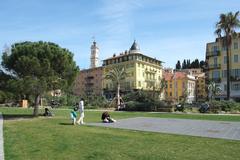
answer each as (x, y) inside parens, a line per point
(81, 110)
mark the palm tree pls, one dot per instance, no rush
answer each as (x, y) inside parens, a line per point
(213, 89)
(117, 74)
(227, 24)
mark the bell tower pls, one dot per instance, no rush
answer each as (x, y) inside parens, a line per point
(94, 55)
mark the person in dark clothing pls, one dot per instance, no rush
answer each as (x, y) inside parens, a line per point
(106, 118)
(47, 112)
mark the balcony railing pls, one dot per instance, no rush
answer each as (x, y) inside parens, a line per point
(214, 66)
(213, 53)
(234, 79)
(216, 80)
(150, 80)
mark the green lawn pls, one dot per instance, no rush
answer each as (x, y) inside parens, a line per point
(54, 138)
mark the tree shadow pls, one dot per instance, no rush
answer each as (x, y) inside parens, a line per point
(17, 116)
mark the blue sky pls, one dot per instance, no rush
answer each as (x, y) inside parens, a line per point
(169, 30)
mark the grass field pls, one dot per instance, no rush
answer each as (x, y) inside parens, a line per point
(54, 138)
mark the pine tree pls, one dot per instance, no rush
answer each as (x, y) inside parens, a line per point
(184, 64)
(178, 65)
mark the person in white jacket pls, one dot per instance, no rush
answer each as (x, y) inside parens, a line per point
(81, 110)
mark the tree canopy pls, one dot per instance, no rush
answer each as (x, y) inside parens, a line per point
(187, 64)
(38, 67)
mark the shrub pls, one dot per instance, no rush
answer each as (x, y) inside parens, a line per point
(147, 106)
(227, 106)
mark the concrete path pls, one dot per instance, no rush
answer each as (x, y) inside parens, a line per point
(202, 128)
(1, 137)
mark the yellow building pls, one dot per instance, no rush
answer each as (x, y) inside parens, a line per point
(217, 66)
(143, 72)
(180, 85)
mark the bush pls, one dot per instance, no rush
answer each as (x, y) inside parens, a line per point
(227, 106)
(147, 106)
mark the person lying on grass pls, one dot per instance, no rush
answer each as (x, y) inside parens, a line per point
(106, 118)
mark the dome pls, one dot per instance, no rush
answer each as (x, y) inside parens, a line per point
(135, 46)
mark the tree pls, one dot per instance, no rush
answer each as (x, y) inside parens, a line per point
(39, 67)
(188, 64)
(202, 64)
(163, 86)
(178, 65)
(195, 64)
(184, 64)
(213, 90)
(227, 24)
(116, 75)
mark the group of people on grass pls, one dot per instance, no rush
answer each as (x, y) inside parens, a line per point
(80, 107)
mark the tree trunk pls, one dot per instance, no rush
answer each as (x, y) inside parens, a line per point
(228, 70)
(118, 96)
(36, 105)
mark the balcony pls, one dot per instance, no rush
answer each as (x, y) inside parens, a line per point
(216, 80)
(213, 53)
(150, 80)
(234, 79)
(214, 66)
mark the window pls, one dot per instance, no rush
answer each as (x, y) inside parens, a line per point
(215, 48)
(235, 45)
(236, 86)
(170, 86)
(235, 72)
(139, 83)
(170, 93)
(235, 58)
(224, 48)
(130, 57)
(215, 60)
(216, 74)
(225, 60)
(225, 87)
(224, 73)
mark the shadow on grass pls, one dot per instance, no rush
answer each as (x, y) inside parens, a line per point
(66, 124)
(17, 116)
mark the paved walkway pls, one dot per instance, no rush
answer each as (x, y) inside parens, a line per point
(1, 137)
(202, 128)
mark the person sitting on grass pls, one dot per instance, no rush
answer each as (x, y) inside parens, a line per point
(73, 115)
(47, 113)
(106, 118)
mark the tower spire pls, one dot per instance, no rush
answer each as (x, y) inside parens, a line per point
(94, 54)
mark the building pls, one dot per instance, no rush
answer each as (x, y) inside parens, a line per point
(201, 87)
(217, 67)
(180, 87)
(89, 81)
(143, 72)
